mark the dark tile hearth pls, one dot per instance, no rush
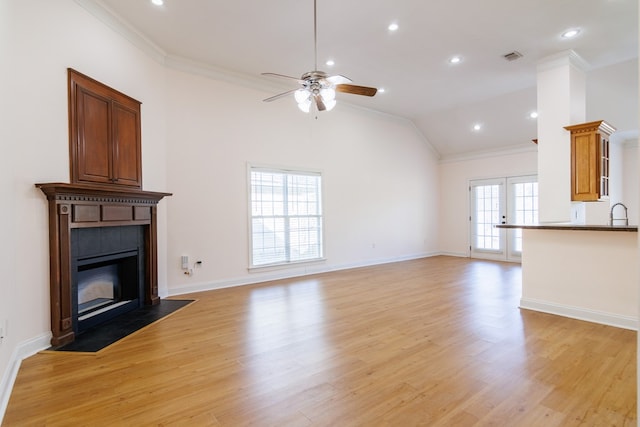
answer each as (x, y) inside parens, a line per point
(99, 337)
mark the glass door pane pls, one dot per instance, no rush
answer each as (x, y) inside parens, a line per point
(487, 210)
(522, 202)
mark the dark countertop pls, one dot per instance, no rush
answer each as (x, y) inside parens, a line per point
(573, 227)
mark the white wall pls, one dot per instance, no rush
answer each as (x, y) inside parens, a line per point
(380, 180)
(623, 180)
(40, 39)
(612, 95)
(630, 181)
(454, 200)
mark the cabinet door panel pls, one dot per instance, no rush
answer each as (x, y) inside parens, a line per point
(126, 146)
(93, 138)
(105, 139)
(585, 170)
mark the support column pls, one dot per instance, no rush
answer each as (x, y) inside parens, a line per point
(561, 102)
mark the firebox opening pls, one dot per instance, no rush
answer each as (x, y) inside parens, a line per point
(107, 286)
(96, 289)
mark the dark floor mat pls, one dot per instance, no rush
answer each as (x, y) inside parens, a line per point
(98, 337)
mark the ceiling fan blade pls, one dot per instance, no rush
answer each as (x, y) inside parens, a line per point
(280, 95)
(356, 90)
(282, 76)
(319, 103)
(338, 79)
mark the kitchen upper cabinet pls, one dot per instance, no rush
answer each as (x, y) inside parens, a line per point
(590, 160)
(105, 137)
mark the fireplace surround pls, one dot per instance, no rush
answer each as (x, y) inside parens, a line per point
(89, 211)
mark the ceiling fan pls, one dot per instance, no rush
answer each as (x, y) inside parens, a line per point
(317, 87)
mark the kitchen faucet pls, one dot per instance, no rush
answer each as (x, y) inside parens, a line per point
(626, 216)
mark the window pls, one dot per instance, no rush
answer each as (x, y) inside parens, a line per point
(286, 216)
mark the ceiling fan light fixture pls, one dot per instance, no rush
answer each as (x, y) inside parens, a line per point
(301, 95)
(305, 106)
(328, 94)
(303, 98)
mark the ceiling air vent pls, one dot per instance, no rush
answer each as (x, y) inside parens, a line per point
(512, 56)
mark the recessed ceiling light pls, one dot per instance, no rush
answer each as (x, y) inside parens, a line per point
(477, 127)
(455, 60)
(393, 27)
(569, 34)
(533, 115)
(331, 63)
(157, 2)
(380, 90)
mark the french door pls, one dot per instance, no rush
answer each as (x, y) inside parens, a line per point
(508, 200)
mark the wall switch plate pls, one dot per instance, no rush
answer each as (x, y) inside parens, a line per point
(185, 262)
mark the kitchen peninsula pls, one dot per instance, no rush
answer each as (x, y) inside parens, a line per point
(587, 272)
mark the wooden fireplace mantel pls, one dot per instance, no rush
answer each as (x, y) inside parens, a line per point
(92, 205)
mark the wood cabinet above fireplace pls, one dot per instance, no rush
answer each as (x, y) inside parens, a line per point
(104, 131)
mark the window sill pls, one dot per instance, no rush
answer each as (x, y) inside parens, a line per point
(282, 266)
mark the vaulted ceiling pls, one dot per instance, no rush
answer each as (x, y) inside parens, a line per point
(444, 100)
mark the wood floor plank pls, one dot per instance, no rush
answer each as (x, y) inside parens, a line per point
(435, 342)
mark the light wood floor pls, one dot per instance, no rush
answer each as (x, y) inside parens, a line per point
(433, 342)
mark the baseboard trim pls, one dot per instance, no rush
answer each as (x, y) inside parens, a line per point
(625, 322)
(455, 254)
(288, 273)
(21, 352)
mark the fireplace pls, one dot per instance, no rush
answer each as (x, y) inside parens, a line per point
(103, 254)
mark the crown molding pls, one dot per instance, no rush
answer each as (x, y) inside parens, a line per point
(111, 19)
(483, 154)
(566, 57)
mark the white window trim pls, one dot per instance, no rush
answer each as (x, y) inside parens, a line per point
(285, 169)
